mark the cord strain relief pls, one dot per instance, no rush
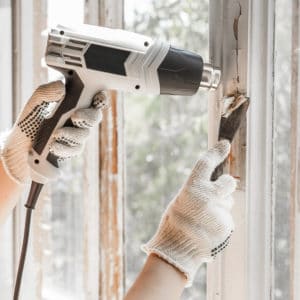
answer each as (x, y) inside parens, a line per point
(34, 193)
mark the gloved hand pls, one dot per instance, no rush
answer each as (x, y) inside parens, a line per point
(197, 224)
(67, 141)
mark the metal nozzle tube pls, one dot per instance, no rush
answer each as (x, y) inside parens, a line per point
(211, 77)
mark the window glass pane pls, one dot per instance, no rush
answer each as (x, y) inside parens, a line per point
(282, 126)
(166, 134)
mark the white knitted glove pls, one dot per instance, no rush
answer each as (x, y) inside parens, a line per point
(68, 141)
(197, 224)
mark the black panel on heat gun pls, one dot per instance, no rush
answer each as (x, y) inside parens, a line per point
(106, 59)
(180, 73)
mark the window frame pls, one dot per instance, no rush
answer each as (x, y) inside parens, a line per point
(22, 85)
(110, 13)
(260, 177)
(226, 277)
(295, 155)
(252, 275)
(246, 275)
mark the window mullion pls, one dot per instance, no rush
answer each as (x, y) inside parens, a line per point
(260, 181)
(226, 277)
(295, 156)
(111, 169)
(27, 73)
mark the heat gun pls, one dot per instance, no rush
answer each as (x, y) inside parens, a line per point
(96, 58)
(93, 59)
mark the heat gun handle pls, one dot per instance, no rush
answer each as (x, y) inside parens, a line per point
(44, 164)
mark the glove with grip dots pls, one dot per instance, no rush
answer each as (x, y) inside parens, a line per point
(197, 224)
(67, 141)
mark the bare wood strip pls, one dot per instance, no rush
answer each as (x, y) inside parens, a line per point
(112, 199)
(111, 169)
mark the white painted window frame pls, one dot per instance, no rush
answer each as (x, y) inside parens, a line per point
(226, 277)
(260, 193)
(295, 154)
(246, 269)
(22, 86)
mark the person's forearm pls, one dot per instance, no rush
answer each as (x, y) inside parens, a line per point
(9, 191)
(157, 281)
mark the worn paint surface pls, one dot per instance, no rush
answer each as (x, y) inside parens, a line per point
(112, 179)
(111, 169)
(111, 204)
(228, 50)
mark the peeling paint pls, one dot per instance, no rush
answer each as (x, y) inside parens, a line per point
(111, 203)
(236, 36)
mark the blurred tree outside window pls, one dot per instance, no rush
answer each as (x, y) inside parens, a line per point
(282, 149)
(164, 134)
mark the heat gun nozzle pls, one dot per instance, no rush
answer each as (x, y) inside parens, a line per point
(211, 77)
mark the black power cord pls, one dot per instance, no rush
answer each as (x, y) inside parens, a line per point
(23, 254)
(33, 196)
